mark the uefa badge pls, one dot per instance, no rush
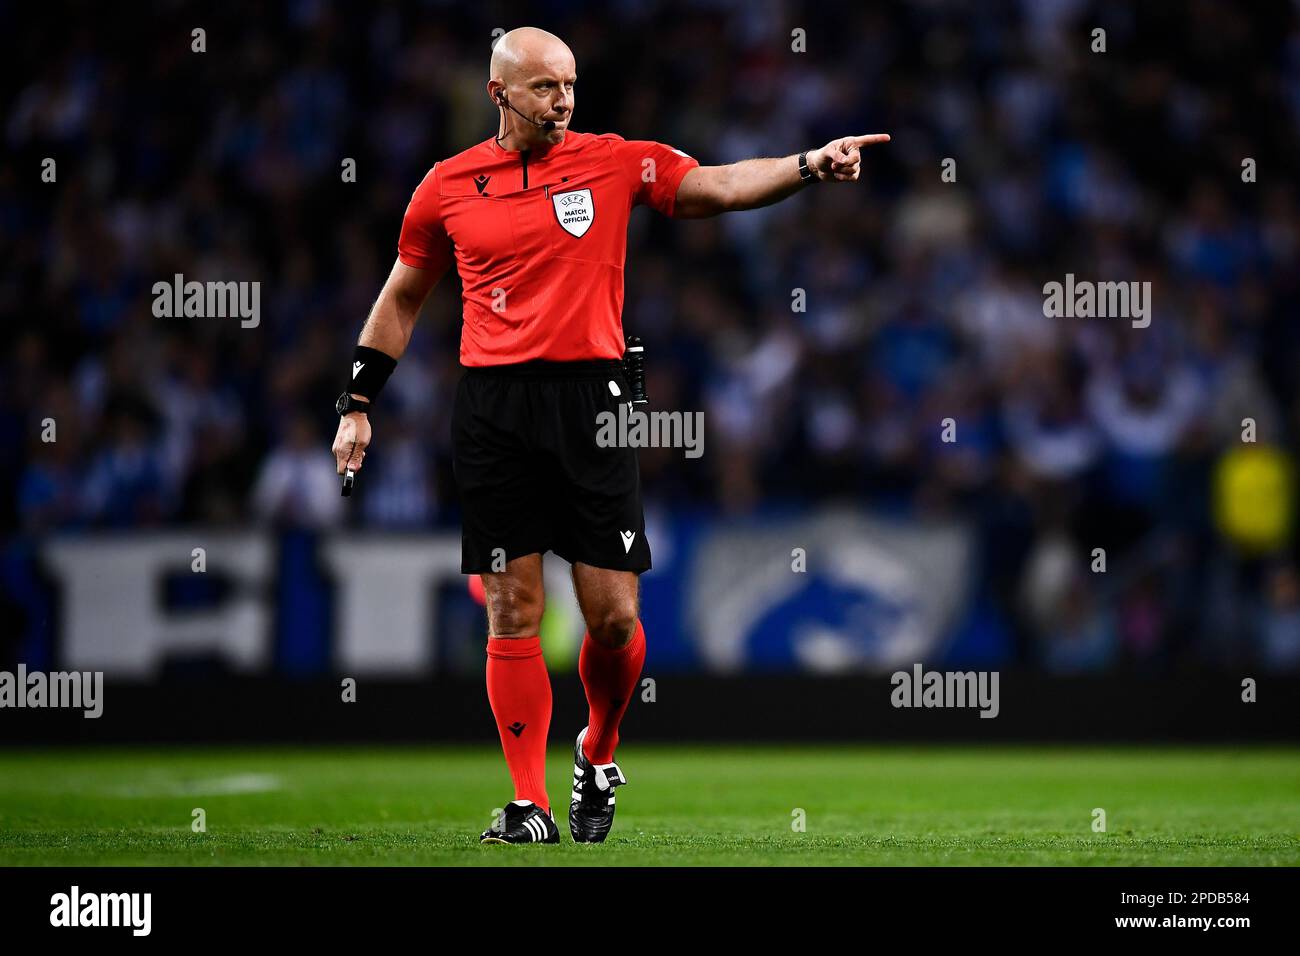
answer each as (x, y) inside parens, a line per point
(575, 211)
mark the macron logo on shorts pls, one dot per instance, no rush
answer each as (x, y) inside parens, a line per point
(628, 537)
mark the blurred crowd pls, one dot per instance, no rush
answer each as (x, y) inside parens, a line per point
(827, 339)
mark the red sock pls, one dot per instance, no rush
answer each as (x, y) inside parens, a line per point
(609, 677)
(519, 690)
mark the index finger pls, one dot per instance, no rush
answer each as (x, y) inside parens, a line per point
(868, 140)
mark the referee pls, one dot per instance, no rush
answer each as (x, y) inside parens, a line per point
(535, 221)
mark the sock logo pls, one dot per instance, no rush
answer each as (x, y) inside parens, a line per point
(628, 537)
(516, 728)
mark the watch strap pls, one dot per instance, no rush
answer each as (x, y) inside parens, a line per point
(347, 403)
(805, 173)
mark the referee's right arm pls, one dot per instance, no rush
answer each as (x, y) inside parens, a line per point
(393, 317)
(384, 337)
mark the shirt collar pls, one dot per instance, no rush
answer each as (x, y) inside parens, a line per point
(501, 152)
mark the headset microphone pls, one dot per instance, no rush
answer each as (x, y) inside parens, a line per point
(546, 126)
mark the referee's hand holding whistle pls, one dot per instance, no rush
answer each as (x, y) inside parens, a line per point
(350, 443)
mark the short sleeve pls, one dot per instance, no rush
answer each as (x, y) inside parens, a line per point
(656, 171)
(424, 243)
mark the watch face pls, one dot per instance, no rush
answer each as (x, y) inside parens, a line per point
(341, 405)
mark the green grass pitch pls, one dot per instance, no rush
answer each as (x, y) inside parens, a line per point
(684, 805)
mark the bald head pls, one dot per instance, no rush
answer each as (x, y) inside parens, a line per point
(527, 50)
(534, 71)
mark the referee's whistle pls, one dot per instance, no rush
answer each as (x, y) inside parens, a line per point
(349, 481)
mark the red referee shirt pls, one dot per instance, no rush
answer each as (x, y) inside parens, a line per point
(539, 242)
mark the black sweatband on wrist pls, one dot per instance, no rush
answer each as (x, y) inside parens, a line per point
(370, 370)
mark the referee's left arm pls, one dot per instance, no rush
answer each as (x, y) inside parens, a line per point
(709, 190)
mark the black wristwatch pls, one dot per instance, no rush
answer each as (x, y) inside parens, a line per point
(806, 174)
(347, 403)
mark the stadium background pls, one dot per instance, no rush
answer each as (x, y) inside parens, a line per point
(923, 301)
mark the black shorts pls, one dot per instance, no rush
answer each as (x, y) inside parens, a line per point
(531, 475)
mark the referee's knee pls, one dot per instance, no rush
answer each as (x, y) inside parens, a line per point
(514, 612)
(614, 624)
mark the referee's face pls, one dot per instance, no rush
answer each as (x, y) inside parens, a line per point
(542, 89)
